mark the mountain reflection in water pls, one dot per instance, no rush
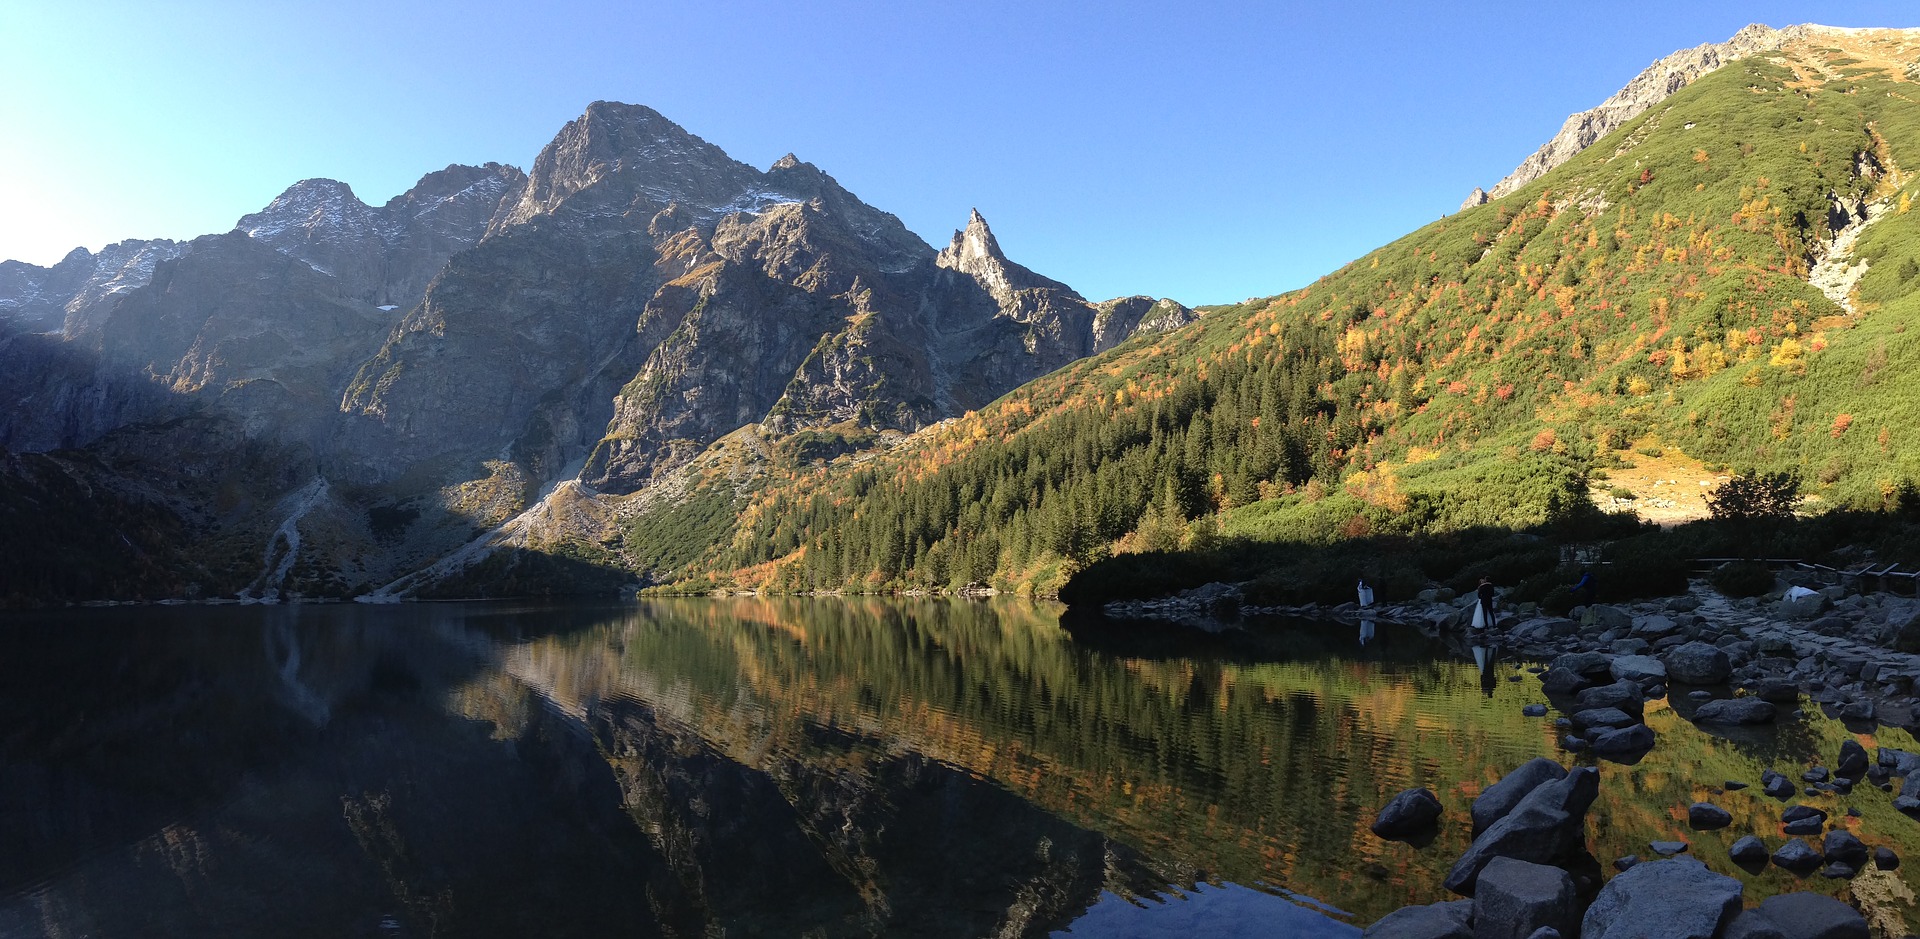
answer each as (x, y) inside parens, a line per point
(764, 767)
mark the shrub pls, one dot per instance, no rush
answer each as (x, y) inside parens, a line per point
(1742, 579)
(1755, 495)
(1622, 493)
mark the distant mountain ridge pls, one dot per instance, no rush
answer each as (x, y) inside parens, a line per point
(442, 362)
(1654, 84)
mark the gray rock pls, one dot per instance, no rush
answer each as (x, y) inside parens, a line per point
(1667, 848)
(1654, 627)
(1640, 669)
(1548, 825)
(1500, 798)
(1410, 813)
(1797, 856)
(1705, 816)
(1624, 741)
(1803, 608)
(1776, 785)
(1603, 717)
(1622, 863)
(1853, 760)
(1629, 646)
(1748, 850)
(1624, 695)
(1735, 711)
(1534, 710)
(1563, 681)
(1842, 846)
(1698, 663)
(1885, 858)
(1777, 691)
(1672, 899)
(1590, 664)
(1812, 916)
(1611, 617)
(1545, 932)
(1514, 899)
(1433, 921)
(1750, 924)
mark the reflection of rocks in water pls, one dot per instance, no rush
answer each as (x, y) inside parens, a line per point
(852, 840)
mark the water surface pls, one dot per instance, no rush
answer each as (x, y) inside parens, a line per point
(776, 767)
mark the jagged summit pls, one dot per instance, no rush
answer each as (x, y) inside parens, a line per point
(971, 245)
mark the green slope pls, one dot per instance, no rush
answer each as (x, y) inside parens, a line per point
(1470, 375)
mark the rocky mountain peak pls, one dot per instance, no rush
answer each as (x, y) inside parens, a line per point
(626, 153)
(787, 162)
(1653, 85)
(971, 246)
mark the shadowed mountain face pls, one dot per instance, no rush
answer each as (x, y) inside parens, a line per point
(440, 360)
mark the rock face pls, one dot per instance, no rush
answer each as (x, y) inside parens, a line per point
(1677, 898)
(1653, 85)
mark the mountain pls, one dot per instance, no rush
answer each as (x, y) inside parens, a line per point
(1726, 278)
(1652, 86)
(410, 380)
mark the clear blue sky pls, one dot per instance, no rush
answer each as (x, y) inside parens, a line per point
(1204, 151)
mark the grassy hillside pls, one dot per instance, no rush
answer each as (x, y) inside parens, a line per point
(1471, 376)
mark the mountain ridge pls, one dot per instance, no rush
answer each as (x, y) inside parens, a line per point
(445, 361)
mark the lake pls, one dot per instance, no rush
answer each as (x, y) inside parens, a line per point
(781, 767)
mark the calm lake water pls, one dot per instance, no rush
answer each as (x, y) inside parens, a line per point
(780, 768)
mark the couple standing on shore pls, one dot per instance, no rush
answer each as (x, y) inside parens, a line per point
(1484, 615)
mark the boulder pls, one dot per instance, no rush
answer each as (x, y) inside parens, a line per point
(1534, 710)
(1655, 627)
(1433, 921)
(1629, 646)
(1797, 856)
(1514, 899)
(1411, 813)
(1640, 669)
(1673, 899)
(1698, 663)
(1812, 916)
(1563, 681)
(1624, 695)
(1907, 637)
(1500, 798)
(1842, 846)
(1610, 617)
(1885, 859)
(1549, 824)
(1623, 742)
(1853, 760)
(1751, 925)
(1705, 816)
(1802, 608)
(1667, 848)
(1735, 711)
(1748, 850)
(1590, 664)
(1798, 813)
(1603, 717)
(1776, 785)
(1777, 691)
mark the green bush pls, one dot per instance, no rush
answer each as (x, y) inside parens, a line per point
(1756, 495)
(1743, 579)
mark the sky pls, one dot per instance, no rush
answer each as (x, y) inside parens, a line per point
(1203, 151)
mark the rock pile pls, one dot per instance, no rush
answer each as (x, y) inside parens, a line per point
(1527, 874)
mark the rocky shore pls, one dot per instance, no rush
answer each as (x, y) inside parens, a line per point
(1839, 647)
(1723, 662)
